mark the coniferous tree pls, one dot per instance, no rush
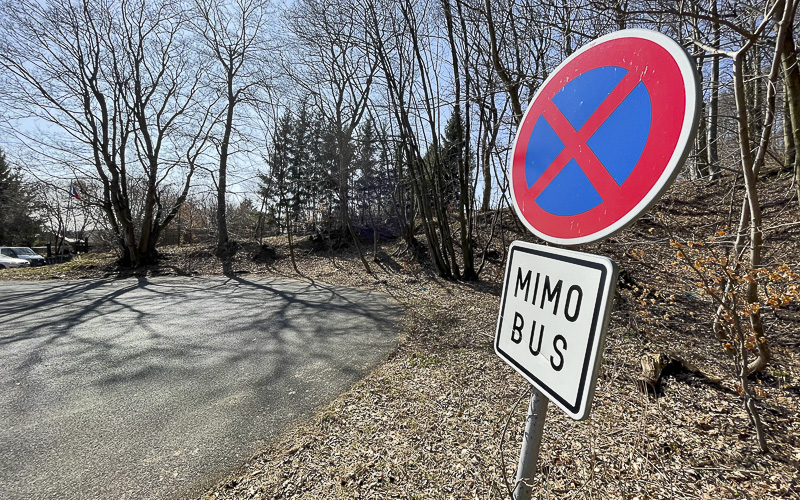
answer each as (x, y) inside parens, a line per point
(279, 165)
(452, 150)
(326, 172)
(299, 166)
(364, 170)
(18, 223)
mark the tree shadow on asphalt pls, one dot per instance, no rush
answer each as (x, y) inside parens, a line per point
(69, 331)
(205, 345)
(64, 307)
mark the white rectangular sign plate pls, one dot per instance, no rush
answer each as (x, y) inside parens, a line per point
(553, 317)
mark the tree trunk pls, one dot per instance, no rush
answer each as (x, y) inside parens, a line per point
(343, 200)
(464, 202)
(621, 14)
(700, 169)
(375, 244)
(790, 149)
(486, 170)
(749, 170)
(512, 88)
(291, 244)
(791, 80)
(751, 165)
(222, 179)
(713, 101)
(144, 255)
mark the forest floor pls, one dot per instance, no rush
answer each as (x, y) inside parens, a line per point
(443, 416)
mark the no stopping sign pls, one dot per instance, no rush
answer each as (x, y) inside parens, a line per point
(604, 136)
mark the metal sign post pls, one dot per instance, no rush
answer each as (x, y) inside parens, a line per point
(531, 443)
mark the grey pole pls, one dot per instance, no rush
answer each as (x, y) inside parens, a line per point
(531, 442)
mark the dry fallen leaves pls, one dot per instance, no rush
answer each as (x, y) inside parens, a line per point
(429, 422)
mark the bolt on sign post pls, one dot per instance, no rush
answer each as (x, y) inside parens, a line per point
(601, 141)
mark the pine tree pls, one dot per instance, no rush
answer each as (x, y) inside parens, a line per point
(275, 185)
(326, 171)
(299, 165)
(18, 224)
(452, 150)
(364, 170)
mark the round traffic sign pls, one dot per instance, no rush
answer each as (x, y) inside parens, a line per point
(604, 136)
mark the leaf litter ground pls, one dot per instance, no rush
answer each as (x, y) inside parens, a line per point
(443, 416)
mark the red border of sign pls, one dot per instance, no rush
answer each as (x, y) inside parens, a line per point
(665, 69)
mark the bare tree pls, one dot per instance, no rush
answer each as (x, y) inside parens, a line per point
(791, 85)
(466, 199)
(116, 86)
(233, 35)
(68, 211)
(337, 68)
(746, 255)
(408, 65)
(512, 85)
(713, 101)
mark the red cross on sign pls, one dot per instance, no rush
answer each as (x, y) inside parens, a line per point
(604, 137)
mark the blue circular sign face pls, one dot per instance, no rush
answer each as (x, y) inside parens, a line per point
(588, 158)
(618, 143)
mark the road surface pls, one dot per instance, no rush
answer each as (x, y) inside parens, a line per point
(159, 387)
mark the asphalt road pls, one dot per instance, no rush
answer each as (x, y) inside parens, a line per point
(158, 387)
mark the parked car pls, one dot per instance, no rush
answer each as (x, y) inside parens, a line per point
(7, 262)
(24, 253)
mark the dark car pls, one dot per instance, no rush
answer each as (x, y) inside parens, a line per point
(24, 253)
